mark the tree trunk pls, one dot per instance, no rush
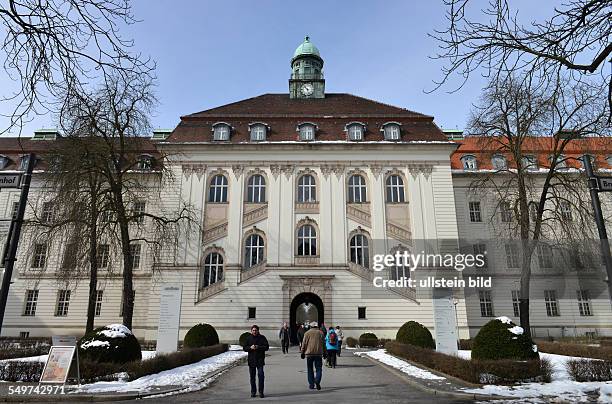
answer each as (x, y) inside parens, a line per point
(524, 285)
(93, 278)
(128, 288)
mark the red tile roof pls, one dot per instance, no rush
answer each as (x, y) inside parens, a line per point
(483, 148)
(282, 114)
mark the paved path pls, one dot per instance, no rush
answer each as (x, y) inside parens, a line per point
(355, 380)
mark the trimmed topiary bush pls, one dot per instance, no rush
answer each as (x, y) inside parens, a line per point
(502, 339)
(351, 342)
(113, 343)
(414, 333)
(368, 339)
(201, 335)
(243, 338)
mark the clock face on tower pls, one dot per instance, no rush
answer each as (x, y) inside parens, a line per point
(307, 89)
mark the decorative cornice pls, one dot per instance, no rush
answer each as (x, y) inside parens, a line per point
(237, 169)
(197, 169)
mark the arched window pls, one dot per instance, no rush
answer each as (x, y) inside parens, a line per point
(359, 250)
(307, 131)
(217, 192)
(469, 162)
(221, 131)
(4, 161)
(499, 162)
(254, 250)
(213, 269)
(258, 131)
(357, 189)
(530, 162)
(355, 131)
(256, 189)
(307, 189)
(145, 162)
(307, 240)
(395, 188)
(397, 272)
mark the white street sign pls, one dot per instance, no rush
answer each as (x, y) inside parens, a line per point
(10, 180)
(605, 184)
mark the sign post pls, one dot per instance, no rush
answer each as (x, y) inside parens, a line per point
(169, 318)
(445, 326)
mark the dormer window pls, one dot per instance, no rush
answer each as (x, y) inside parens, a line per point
(23, 162)
(530, 162)
(258, 131)
(307, 131)
(355, 131)
(4, 161)
(221, 131)
(391, 131)
(145, 162)
(499, 162)
(469, 162)
(590, 157)
(561, 161)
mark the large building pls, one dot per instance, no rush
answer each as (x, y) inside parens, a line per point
(294, 193)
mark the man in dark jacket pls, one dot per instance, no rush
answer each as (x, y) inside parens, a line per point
(283, 335)
(256, 345)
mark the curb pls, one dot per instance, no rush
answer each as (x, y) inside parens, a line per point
(433, 391)
(102, 397)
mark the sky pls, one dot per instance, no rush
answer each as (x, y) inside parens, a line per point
(210, 53)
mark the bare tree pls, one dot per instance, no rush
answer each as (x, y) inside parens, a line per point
(52, 48)
(576, 38)
(519, 119)
(113, 118)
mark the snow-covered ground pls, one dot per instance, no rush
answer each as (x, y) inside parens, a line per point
(403, 366)
(191, 377)
(561, 386)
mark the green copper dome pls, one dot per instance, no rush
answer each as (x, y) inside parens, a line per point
(306, 48)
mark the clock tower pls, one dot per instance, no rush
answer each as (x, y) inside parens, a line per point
(306, 72)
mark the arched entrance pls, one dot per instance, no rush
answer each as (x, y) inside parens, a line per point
(305, 308)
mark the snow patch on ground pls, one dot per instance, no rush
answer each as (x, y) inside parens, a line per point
(403, 366)
(561, 386)
(192, 377)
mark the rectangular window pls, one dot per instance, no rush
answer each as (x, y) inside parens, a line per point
(361, 313)
(545, 257)
(486, 303)
(139, 210)
(24, 334)
(135, 255)
(552, 305)
(99, 295)
(31, 299)
(355, 132)
(475, 215)
(47, 214)
(566, 211)
(39, 258)
(506, 212)
(481, 249)
(70, 256)
(584, 303)
(516, 295)
(103, 255)
(252, 314)
(14, 210)
(63, 301)
(512, 255)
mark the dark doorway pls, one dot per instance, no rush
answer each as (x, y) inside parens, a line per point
(305, 307)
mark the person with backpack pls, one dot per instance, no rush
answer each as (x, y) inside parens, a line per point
(340, 335)
(331, 345)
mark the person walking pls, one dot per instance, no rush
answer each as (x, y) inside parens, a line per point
(312, 350)
(256, 345)
(300, 335)
(340, 335)
(331, 344)
(283, 335)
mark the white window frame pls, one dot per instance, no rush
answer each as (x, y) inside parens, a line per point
(39, 257)
(31, 300)
(307, 241)
(394, 186)
(469, 162)
(391, 131)
(359, 250)
(565, 209)
(475, 211)
(256, 189)
(99, 298)
(530, 162)
(584, 303)
(355, 132)
(516, 303)
(47, 213)
(486, 303)
(63, 303)
(545, 256)
(307, 132)
(254, 250)
(135, 254)
(258, 133)
(552, 303)
(357, 189)
(212, 271)
(217, 190)
(103, 255)
(307, 189)
(507, 214)
(499, 162)
(139, 208)
(221, 132)
(512, 256)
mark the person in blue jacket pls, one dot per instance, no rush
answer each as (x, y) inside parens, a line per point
(331, 344)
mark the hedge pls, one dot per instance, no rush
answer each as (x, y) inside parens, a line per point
(585, 370)
(502, 339)
(368, 339)
(503, 371)
(584, 351)
(201, 335)
(414, 333)
(15, 371)
(351, 342)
